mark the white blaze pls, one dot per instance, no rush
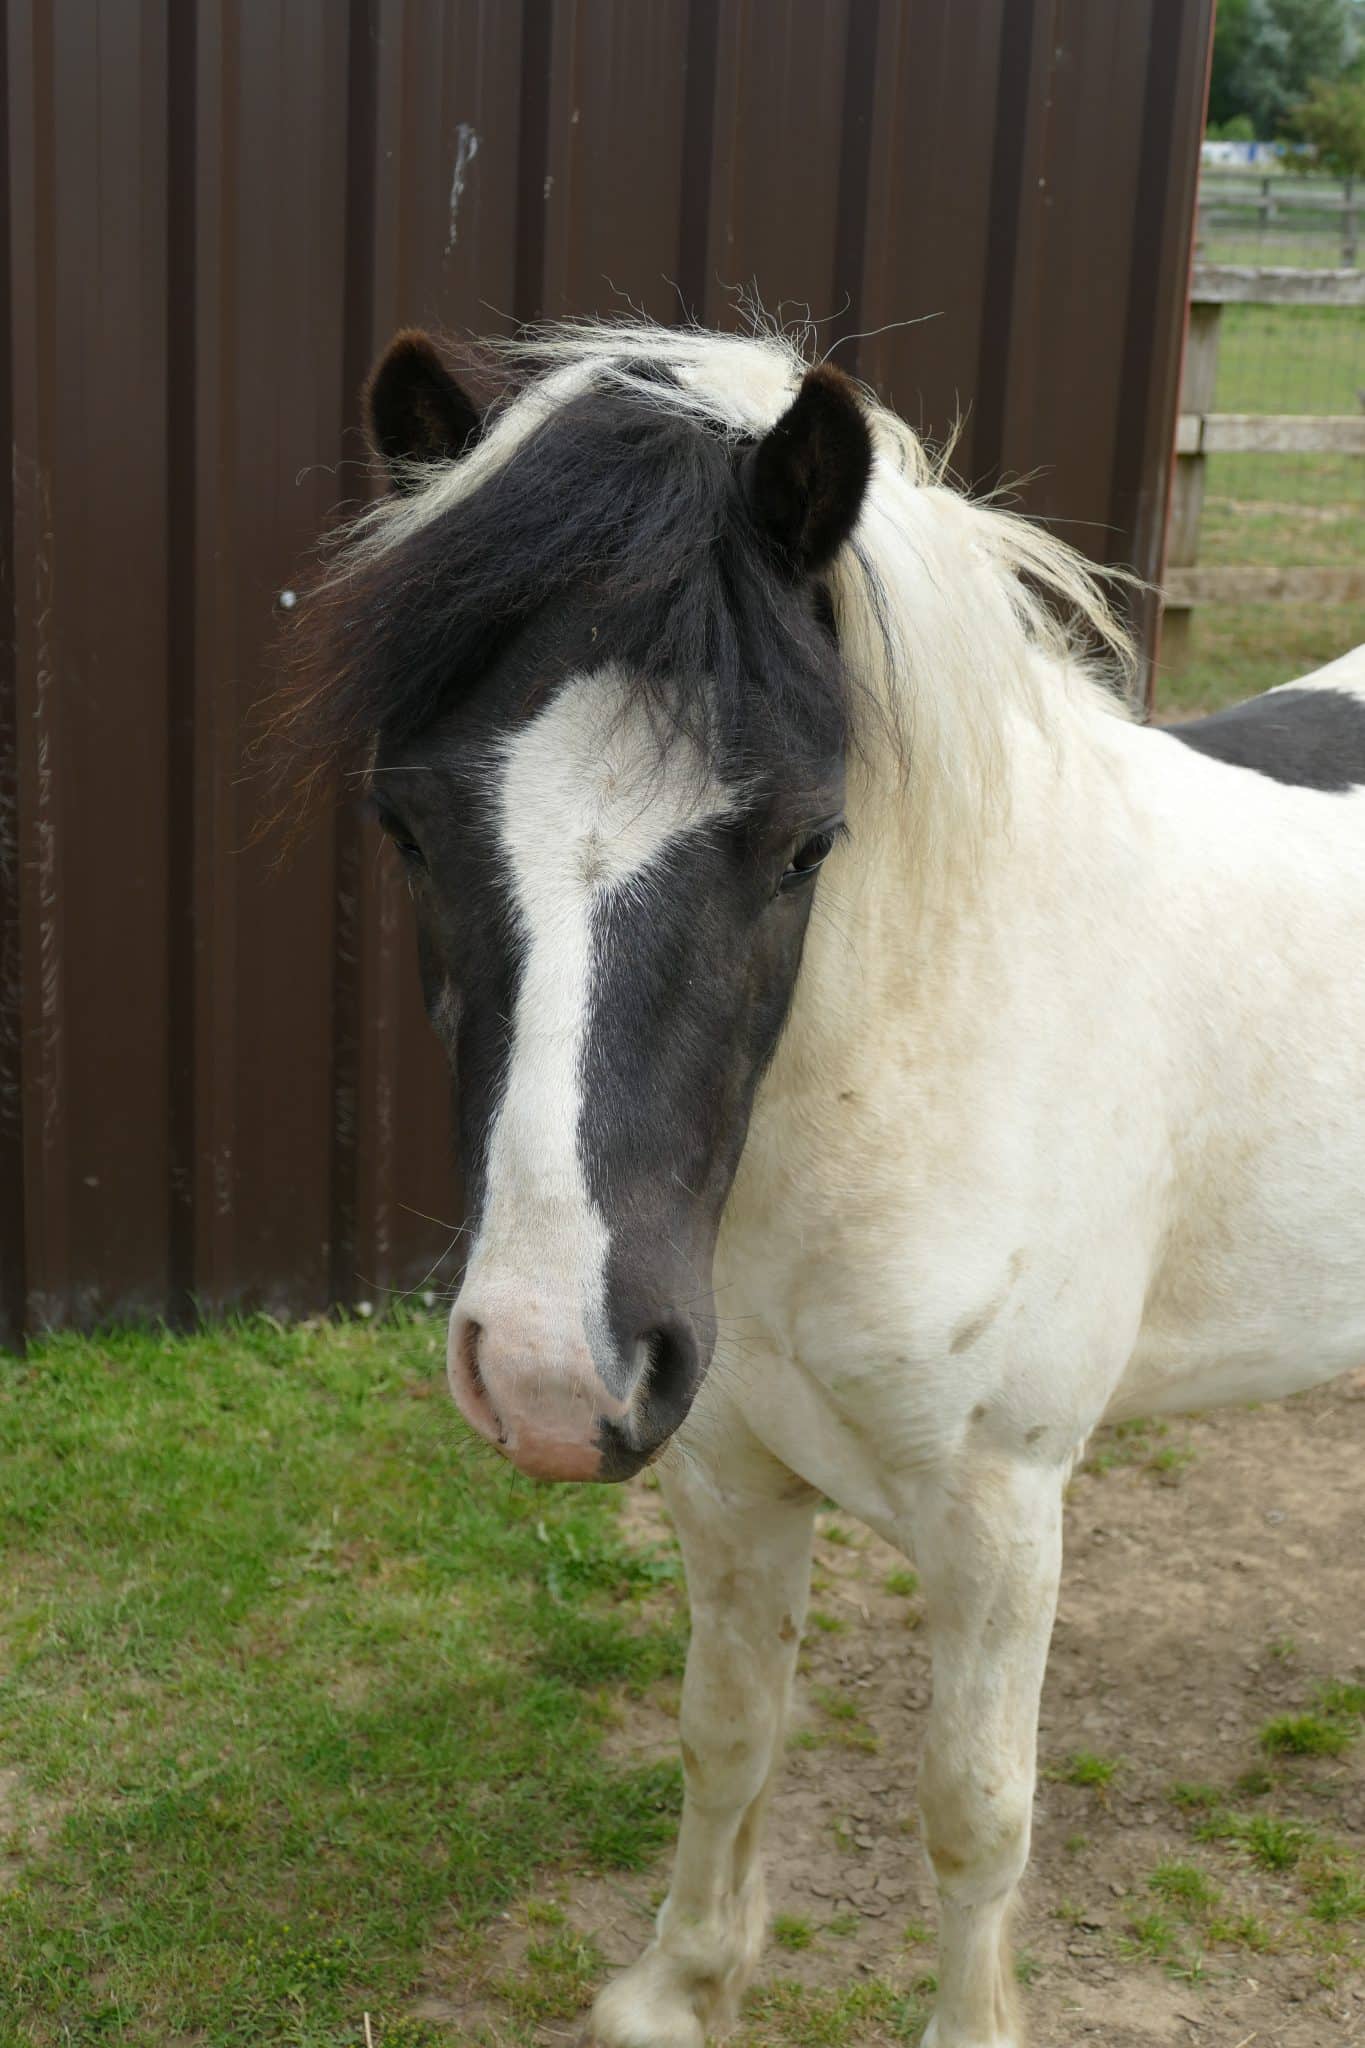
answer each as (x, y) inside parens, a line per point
(587, 806)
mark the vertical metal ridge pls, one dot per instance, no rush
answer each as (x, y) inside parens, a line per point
(357, 341)
(48, 1292)
(13, 1256)
(182, 355)
(1006, 199)
(699, 141)
(855, 169)
(533, 157)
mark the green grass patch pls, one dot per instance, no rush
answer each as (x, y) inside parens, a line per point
(1137, 1442)
(1271, 1842)
(1082, 1768)
(295, 1683)
(1306, 1735)
(792, 1931)
(1338, 1895)
(1343, 1698)
(1196, 1798)
(1152, 1936)
(555, 1980)
(905, 1584)
(1241, 1930)
(1184, 1888)
(796, 2016)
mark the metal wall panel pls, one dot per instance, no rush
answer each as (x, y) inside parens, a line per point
(216, 1085)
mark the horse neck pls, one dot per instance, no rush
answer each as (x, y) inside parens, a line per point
(912, 933)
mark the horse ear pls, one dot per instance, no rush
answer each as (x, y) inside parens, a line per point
(806, 479)
(417, 412)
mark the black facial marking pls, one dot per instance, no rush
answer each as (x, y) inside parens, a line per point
(690, 991)
(1313, 739)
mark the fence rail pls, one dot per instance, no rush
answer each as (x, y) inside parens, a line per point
(1202, 432)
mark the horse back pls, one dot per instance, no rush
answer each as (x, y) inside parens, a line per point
(1310, 733)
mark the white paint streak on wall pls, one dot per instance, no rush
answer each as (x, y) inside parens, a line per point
(466, 149)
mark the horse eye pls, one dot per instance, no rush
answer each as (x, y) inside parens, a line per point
(808, 857)
(407, 846)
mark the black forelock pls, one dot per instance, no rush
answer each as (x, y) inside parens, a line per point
(617, 499)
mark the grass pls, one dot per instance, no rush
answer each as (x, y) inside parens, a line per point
(796, 2016)
(1152, 1936)
(556, 1980)
(1305, 1735)
(1183, 1887)
(1138, 1443)
(1084, 1769)
(294, 1687)
(791, 1931)
(1272, 1843)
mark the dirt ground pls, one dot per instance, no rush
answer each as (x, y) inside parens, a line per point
(1213, 1581)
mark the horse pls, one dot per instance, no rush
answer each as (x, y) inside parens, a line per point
(882, 1057)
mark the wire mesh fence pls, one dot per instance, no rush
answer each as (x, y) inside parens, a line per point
(1280, 217)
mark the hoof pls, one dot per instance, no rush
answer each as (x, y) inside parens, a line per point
(628, 2022)
(933, 2038)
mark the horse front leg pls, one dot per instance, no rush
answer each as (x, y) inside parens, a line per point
(746, 1547)
(987, 1539)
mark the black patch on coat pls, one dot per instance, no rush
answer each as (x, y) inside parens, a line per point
(1312, 739)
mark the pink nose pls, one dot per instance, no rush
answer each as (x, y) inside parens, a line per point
(539, 1398)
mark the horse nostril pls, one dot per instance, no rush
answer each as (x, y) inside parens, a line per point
(469, 1354)
(670, 1356)
(474, 1379)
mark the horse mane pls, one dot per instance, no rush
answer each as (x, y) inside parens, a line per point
(611, 460)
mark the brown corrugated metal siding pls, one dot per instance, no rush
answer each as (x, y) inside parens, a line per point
(216, 1084)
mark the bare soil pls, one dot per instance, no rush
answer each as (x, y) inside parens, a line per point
(1203, 1596)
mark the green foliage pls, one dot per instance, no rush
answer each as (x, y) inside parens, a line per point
(1332, 121)
(1266, 52)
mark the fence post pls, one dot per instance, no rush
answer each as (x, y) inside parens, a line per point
(1348, 226)
(1187, 495)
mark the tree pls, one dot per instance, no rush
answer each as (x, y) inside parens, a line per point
(1267, 52)
(1332, 119)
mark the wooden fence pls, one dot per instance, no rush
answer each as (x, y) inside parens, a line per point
(1202, 432)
